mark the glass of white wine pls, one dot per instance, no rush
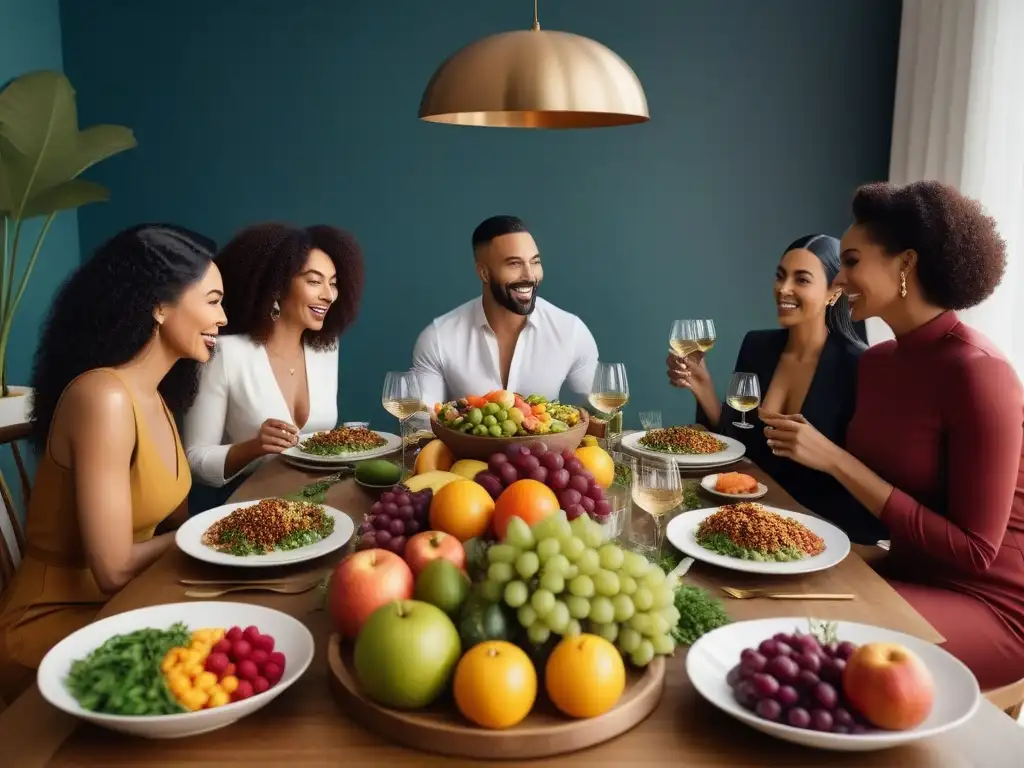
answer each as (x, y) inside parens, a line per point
(744, 395)
(684, 336)
(610, 391)
(402, 397)
(657, 489)
(705, 335)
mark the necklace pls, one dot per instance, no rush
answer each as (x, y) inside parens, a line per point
(291, 370)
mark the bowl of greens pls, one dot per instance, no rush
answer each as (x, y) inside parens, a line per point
(169, 671)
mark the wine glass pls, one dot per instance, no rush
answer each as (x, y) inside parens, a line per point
(650, 420)
(744, 395)
(684, 336)
(610, 390)
(402, 397)
(657, 489)
(705, 335)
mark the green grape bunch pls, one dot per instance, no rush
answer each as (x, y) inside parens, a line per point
(565, 578)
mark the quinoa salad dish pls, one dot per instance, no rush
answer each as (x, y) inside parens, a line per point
(269, 525)
(342, 440)
(748, 531)
(682, 440)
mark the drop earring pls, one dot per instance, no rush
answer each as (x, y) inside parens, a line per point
(903, 285)
(275, 311)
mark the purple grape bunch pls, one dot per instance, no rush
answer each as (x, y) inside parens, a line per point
(397, 516)
(578, 494)
(797, 681)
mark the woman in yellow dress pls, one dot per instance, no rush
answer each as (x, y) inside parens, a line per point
(120, 350)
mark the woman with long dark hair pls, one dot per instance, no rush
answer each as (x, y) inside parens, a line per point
(807, 366)
(121, 348)
(290, 293)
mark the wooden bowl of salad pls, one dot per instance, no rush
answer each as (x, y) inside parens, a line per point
(457, 424)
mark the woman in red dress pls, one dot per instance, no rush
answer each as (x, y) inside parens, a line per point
(934, 447)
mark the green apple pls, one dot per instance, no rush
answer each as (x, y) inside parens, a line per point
(406, 653)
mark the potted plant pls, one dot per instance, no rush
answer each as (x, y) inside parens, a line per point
(42, 155)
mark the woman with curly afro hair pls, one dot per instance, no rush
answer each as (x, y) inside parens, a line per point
(934, 447)
(289, 293)
(120, 349)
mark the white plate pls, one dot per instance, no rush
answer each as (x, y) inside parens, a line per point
(290, 637)
(189, 539)
(708, 484)
(957, 695)
(309, 466)
(394, 443)
(682, 532)
(734, 450)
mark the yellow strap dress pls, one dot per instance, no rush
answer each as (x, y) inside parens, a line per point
(53, 592)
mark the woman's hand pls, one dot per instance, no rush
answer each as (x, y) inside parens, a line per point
(276, 436)
(793, 437)
(690, 372)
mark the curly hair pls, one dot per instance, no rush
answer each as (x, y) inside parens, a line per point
(258, 264)
(102, 316)
(961, 256)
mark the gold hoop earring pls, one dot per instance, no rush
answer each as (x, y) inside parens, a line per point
(903, 285)
(275, 311)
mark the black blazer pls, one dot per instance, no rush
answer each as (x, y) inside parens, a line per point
(829, 407)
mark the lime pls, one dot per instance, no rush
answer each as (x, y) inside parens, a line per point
(443, 584)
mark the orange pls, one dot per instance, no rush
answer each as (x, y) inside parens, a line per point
(527, 499)
(585, 676)
(462, 509)
(435, 455)
(599, 462)
(495, 684)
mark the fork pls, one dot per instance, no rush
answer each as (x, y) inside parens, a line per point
(745, 594)
(650, 419)
(294, 588)
(283, 580)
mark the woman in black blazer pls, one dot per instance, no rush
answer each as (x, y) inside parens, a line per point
(809, 366)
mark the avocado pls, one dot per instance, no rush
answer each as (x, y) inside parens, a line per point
(480, 621)
(378, 472)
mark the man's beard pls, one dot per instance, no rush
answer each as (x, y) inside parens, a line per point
(504, 296)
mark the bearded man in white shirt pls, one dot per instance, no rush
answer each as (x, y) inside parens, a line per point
(509, 337)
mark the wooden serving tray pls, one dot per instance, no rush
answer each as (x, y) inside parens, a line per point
(545, 732)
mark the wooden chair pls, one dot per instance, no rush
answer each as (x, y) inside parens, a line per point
(12, 535)
(1009, 698)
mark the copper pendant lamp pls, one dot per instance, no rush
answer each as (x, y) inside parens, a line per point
(535, 79)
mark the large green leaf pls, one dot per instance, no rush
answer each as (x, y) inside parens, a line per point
(41, 147)
(64, 197)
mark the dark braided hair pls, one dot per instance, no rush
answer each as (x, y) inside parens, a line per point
(102, 316)
(258, 264)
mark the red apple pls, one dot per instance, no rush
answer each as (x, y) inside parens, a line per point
(362, 583)
(889, 685)
(425, 547)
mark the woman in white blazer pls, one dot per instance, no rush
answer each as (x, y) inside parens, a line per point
(289, 293)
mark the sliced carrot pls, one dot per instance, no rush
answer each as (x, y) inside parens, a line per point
(437, 407)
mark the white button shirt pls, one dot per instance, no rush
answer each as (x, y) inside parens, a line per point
(457, 355)
(238, 392)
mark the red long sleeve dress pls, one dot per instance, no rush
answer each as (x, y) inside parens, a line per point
(940, 416)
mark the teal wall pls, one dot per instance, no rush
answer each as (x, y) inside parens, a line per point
(30, 40)
(766, 115)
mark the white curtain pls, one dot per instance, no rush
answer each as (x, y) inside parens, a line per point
(959, 119)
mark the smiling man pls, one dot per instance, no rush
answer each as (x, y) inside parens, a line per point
(509, 337)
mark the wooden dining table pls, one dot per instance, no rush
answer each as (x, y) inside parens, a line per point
(307, 726)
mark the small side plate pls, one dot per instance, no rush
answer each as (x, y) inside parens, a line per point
(708, 484)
